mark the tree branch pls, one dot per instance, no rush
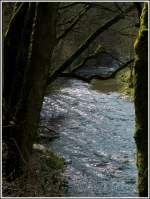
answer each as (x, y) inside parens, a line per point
(98, 5)
(94, 55)
(68, 5)
(88, 79)
(118, 7)
(76, 19)
(86, 44)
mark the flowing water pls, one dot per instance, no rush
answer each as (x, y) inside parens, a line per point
(96, 137)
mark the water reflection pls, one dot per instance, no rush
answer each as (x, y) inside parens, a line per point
(96, 138)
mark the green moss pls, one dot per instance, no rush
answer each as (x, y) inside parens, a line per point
(141, 102)
(51, 159)
(124, 80)
(54, 161)
(143, 28)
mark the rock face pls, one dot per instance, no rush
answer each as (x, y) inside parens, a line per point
(103, 64)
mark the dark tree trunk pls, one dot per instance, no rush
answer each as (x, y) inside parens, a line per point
(11, 46)
(16, 48)
(27, 68)
(141, 102)
(16, 44)
(35, 79)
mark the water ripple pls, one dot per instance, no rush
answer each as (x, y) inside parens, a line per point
(96, 138)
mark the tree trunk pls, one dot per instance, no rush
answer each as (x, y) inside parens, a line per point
(35, 80)
(141, 102)
(16, 44)
(38, 37)
(16, 53)
(11, 45)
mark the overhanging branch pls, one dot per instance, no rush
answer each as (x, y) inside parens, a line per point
(87, 42)
(75, 21)
(88, 79)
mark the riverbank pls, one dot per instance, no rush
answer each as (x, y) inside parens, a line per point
(126, 82)
(43, 177)
(121, 84)
(80, 112)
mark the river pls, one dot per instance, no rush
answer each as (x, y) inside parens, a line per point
(96, 127)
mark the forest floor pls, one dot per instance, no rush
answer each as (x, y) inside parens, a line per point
(43, 177)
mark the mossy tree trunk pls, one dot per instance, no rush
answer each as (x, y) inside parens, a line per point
(27, 58)
(141, 102)
(36, 75)
(16, 45)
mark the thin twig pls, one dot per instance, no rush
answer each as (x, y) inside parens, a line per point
(48, 128)
(20, 152)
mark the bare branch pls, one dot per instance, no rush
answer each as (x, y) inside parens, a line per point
(125, 34)
(68, 5)
(70, 20)
(115, 72)
(77, 18)
(19, 150)
(87, 42)
(118, 7)
(49, 129)
(88, 79)
(98, 5)
(139, 8)
(94, 55)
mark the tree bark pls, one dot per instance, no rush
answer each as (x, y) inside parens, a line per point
(37, 74)
(33, 83)
(20, 57)
(16, 44)
(11, 44)
(141, 102)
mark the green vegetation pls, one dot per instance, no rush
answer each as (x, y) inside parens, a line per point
(124, 79)
(122, 83)
(30, 38)
(52, 160)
